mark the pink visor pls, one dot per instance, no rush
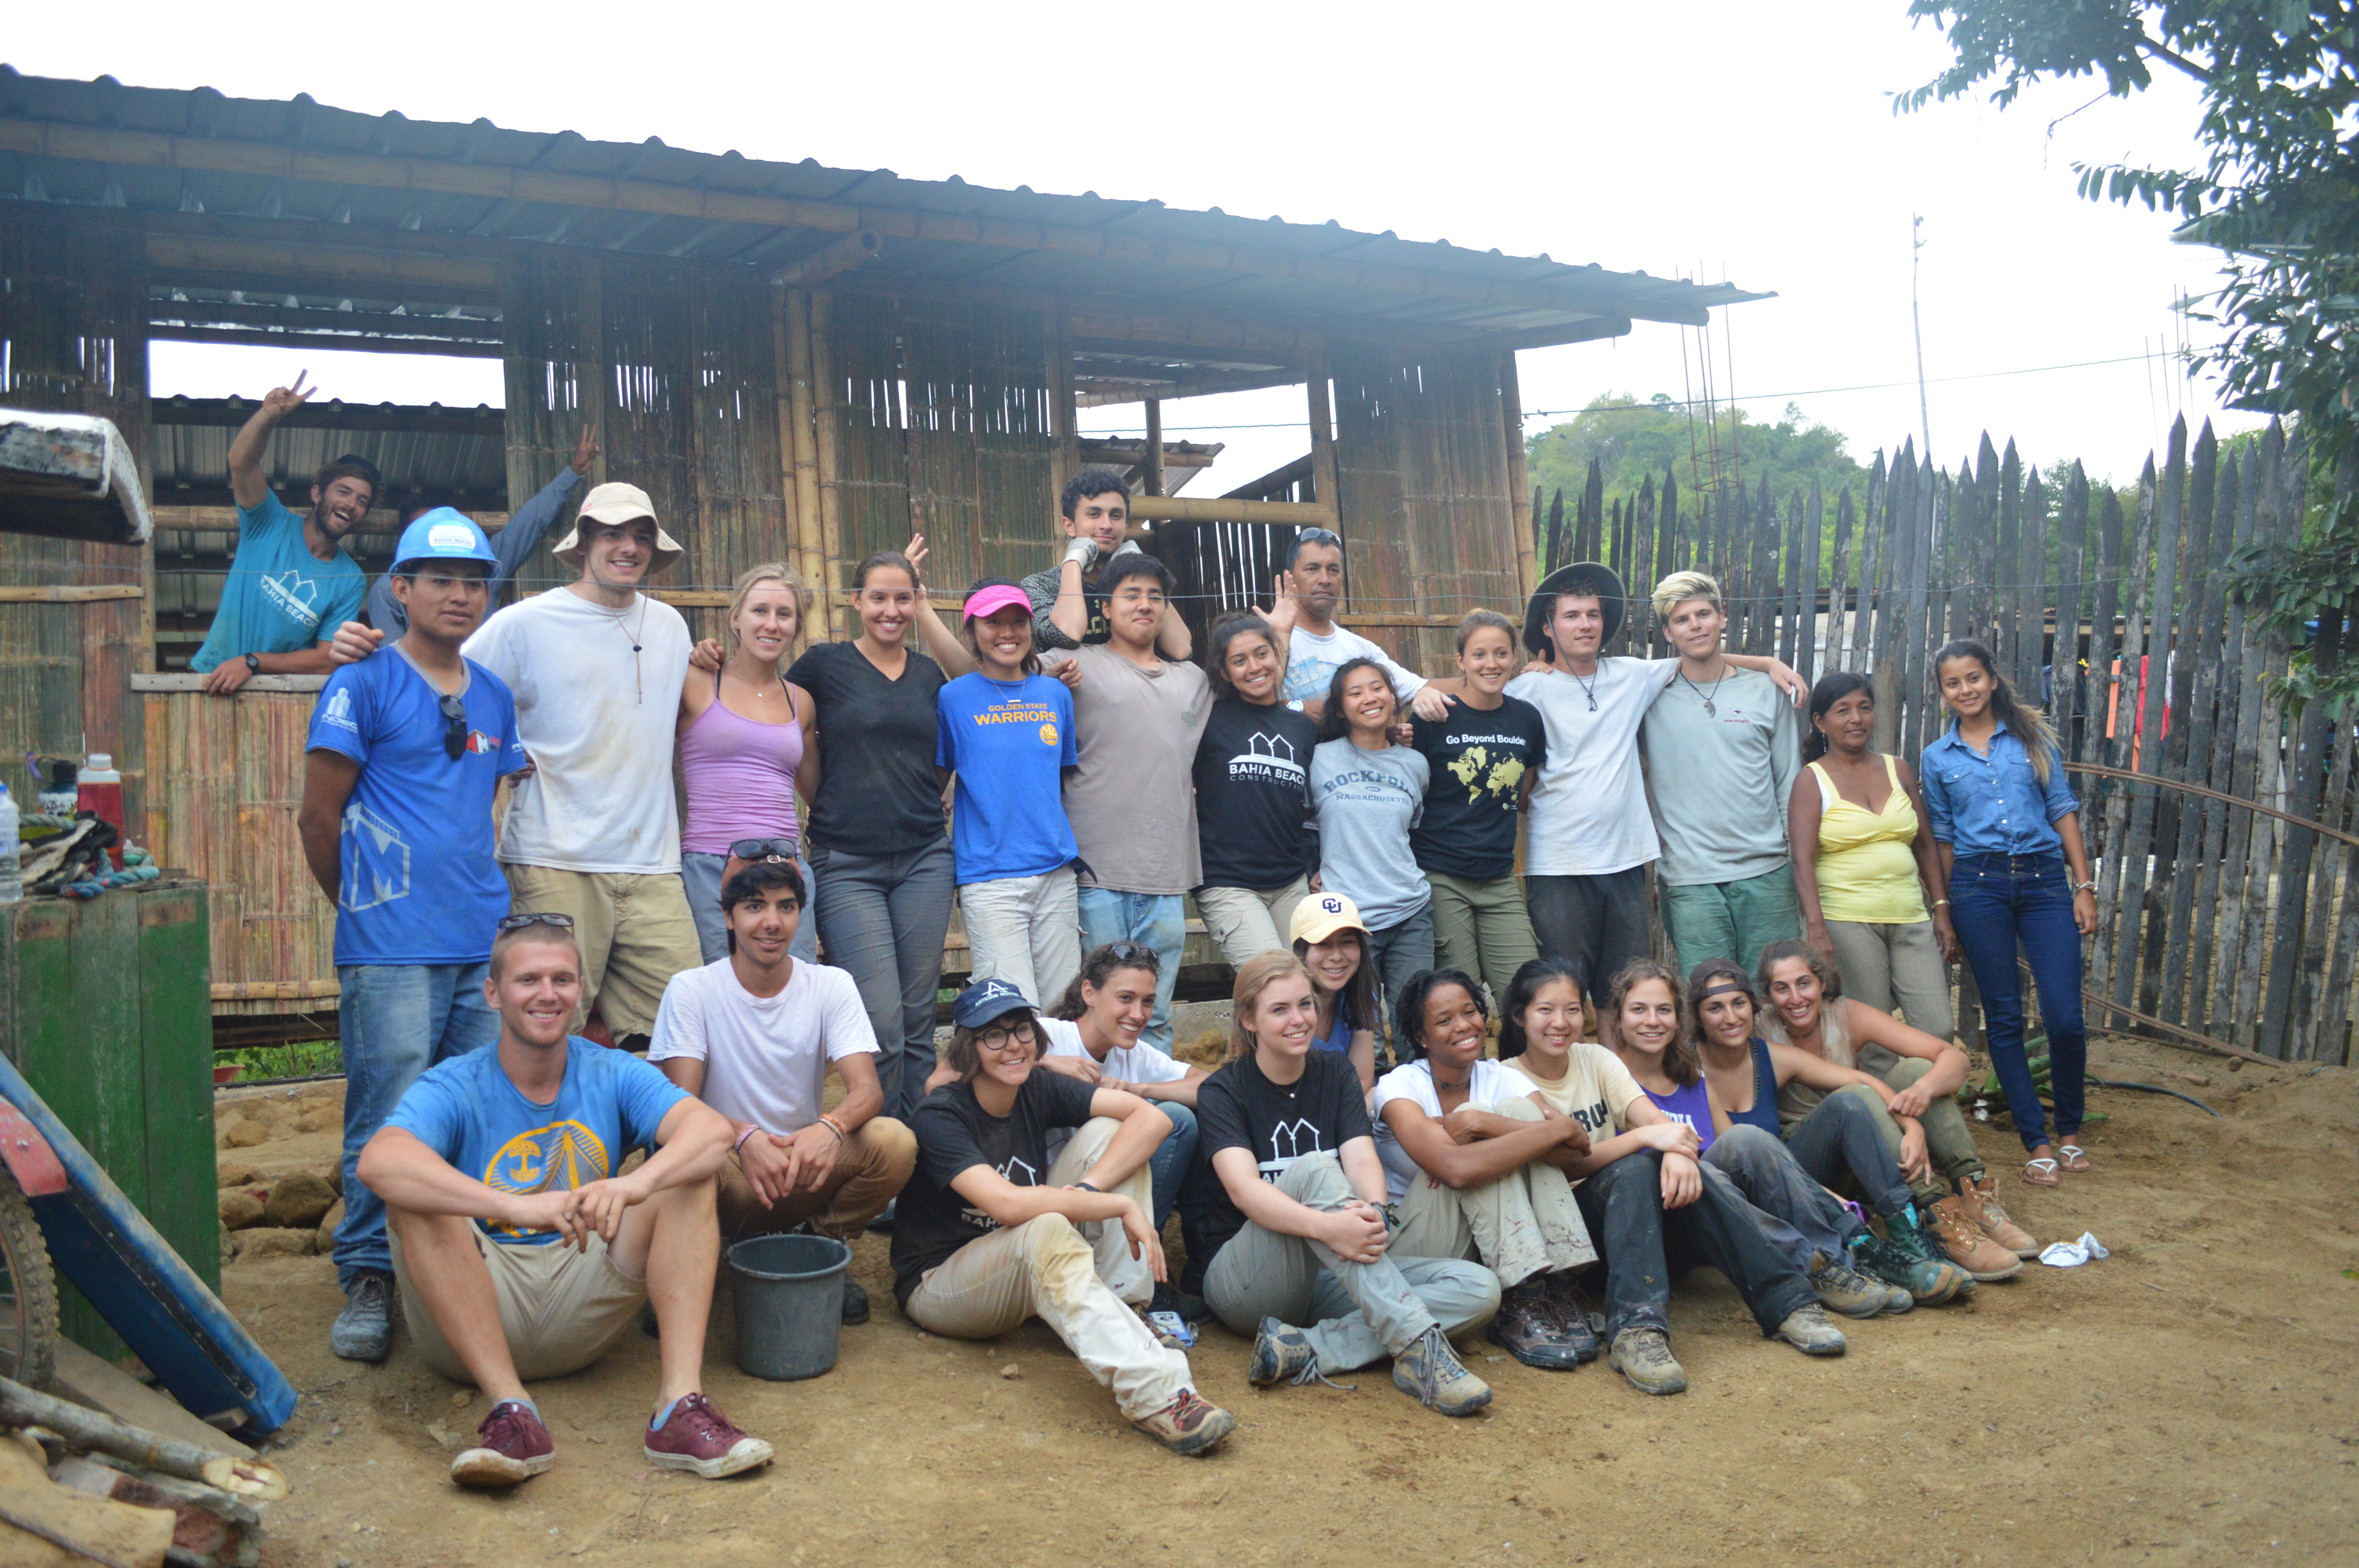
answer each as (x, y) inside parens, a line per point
(989, 601)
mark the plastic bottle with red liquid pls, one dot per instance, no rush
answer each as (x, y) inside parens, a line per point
(100, 789)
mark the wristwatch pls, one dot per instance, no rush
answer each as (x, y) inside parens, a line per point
(254, 664)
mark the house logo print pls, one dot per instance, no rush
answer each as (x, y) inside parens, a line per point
(338, 711)
(293, 593)
(1019, 1172)
(1289, 1141)
(1277, 748)
(1265, 755)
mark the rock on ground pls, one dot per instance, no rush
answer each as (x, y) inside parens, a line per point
(268, 1241)
(299, 1200)
(244, 1132)
(240, 1209)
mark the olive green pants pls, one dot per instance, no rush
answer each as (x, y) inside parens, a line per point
(1482, 928)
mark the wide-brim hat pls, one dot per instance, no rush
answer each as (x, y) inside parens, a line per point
(616, 504)
(1582, 578)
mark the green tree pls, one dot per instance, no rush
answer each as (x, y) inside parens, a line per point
(2278, 195)
(1632, 441)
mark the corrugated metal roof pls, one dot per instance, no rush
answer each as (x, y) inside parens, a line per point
(168, 144)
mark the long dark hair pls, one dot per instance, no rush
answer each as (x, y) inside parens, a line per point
(1333, 724)
(1408, 1008)
(1355, 1004)
(1535, 976)
(1708, 975)
(1777, 953)
(1831, 689)
(1227, 630)
(1101, 966)
(1680, 1062)
(2025, 723)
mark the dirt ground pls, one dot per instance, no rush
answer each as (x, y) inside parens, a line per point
(2190, 1399)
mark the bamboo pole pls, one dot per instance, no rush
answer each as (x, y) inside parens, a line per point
(811, 560)
(2210, 752)
(831, 471)
(1520, 479)
(1227, 509)
(248, 1479)
(2237, 844)
(2132, 818)
(1152, 476)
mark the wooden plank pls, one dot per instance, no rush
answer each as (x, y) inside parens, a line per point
(1889, 547)
(1511, 413)
(2286, 504)
(176, 1035)
(1839, 620)
(69, 593)
(2006, 593)
(2211, 750)
(2188, 755)
(2038, 587)
(2246, 653)
(1227, 509)
(1789, 599)
(2110, 955)
(103, 1387)
(2138, 945)
(1814, 531)
(2071, 673)
(2316, 1036)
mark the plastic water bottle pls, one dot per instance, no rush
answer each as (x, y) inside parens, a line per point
(12, 880)
(101, 791)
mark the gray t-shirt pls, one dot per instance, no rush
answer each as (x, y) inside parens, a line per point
(1717, 782)
(1368, 802)
(1131, 800)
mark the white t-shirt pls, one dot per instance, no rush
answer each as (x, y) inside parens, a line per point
(1313, 658)
(765, 1057)
(1596, 1089)
(1139, 1063)
(1588, 814)
(1413, 1081)
(598, 722)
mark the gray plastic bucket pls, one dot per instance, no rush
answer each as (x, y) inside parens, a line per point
(789, 1293)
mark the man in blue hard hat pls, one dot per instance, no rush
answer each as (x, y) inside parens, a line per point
(406, 749)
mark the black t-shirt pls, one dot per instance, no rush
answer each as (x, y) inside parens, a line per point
(1479, 762)
(877, 791)
(955, 1134)
(1238, 1108)
(1253, 795)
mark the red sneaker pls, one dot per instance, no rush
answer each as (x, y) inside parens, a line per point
(515, 1447)
(697, 1436)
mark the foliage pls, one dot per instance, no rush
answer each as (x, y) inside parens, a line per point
(2278, 195)
(306, 1059)
(1632, 441)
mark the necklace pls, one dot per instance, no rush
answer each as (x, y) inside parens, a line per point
(1588, 687)
(1709, 710)
(638, 678)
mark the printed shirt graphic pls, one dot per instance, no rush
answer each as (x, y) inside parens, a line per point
(954, 1135)
(468, 1111)
(1480, 761)
(1010, 742)
(419, 885)
(1253, 795)
(279, 597)
(1596, 1089)
(1278, 1124)
(1369, 803)
(1312, 658)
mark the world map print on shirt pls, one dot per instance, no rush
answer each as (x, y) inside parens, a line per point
(1481, 764)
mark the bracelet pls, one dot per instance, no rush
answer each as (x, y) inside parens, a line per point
(2089, 886)
(1085, 1188)
(1941, 904)
(827, 1119)
(751, 1128)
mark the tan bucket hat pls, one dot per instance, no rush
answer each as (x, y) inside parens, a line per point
(616, 504)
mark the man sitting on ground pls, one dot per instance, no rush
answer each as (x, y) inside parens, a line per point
(754, 1036)
(518, 1251)
(1069, 607)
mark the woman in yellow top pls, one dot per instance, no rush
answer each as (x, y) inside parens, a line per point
(1864, 863)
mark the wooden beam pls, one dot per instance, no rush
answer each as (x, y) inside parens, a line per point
(223, 519)
(1511, 400)
(1154, 462)
(1208, 509)
(191, 253)
(1324, 486)
(857, 249)
(71, 593)
(154, 149)
(1145, 390)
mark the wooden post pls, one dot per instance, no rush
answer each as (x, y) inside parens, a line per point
(2072, 527)
(1520, 479)
(2144, 629)
(1064, 399)
(2212, 723)
(1838, 645)
(830, 475)
(811, 560)
(2239, 734)
(1152, 476)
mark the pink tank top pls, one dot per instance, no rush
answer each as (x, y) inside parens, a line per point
(740, 773)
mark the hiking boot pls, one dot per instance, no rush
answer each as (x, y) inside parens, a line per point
(1281, 1354)
(1643, 1357)
(1929, 1280)
(1183, 1304)
(364, 1330)
(697, 1436)
(1188, 1425)
(1843, 1289)
(1528, 1329)
(1572, 1313)
(855, 1301)
(1982, 1202)
(1806, 1328)
(883, 1223)
(514, 1446)
(1430, 1372)
(1968, 1248)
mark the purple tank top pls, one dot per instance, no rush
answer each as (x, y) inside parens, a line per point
(740, 774)
(1691, 1105)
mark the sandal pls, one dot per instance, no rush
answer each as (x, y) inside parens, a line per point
(2039, 1173)
(2075, 1158)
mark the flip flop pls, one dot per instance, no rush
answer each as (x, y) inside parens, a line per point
(2075, 1158)
(2039, 1173)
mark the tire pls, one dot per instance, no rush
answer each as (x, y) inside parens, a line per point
(28, 1292)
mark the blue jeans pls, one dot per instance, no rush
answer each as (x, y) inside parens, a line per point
(1802, 1221)
(398, 1019)
(1157, 920)
(699, 877)
(1999, 904)
(1174, 1164)
(885, 919)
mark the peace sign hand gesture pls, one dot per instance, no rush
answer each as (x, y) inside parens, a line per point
(281, 401)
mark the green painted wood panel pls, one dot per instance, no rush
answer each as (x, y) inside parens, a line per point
(177, 1059)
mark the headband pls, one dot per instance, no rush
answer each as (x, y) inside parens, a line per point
(1727, 988)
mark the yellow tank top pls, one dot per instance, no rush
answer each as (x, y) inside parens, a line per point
(1867, 871)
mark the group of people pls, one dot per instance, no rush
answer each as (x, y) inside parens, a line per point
(1452, 1094)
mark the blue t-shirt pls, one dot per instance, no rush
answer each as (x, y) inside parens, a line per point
(279, 597)
(1010, 743)
(469, 1111)
(419, 883)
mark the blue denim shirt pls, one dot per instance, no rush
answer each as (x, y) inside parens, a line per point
(1994, 804)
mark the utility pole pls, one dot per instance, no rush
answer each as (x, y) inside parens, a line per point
(1917, 318)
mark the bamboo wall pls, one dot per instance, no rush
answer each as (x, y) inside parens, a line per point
(2217, 919)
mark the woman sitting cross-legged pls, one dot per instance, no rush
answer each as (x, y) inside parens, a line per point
(1473, 1168)
(1838, 1141)
(1651, 1206)
(1919, 1118)
(992, 1231)
(1299, 1229)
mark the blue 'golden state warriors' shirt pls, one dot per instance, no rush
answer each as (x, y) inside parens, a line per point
(469, 1112)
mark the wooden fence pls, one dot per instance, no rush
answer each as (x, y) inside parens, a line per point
(2221, 817)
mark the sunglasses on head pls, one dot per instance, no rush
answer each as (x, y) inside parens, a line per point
(763, 849)
(1134, 953)
(519, 922)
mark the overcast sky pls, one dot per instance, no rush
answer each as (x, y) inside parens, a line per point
(1714, 139)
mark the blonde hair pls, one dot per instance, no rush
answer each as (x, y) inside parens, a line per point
(1680, 587)
(752, 577)
(1254, 977)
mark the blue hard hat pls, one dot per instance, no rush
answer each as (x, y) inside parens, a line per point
(443, 534)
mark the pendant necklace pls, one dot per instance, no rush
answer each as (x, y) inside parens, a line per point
(1709, 710)
(638, 676)
(1588, 688)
